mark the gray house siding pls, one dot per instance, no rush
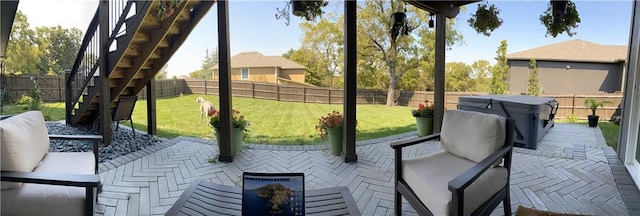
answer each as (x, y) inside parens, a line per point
(557, 77)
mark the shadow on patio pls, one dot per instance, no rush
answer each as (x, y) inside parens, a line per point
(570, 172)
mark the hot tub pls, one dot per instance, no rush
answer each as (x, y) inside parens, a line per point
(534, 115)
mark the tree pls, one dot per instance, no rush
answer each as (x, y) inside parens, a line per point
(325, 39)
(533, 84)
(500, 71)
(206, 70)
(163, 73)
(480, 75)
(59, 47)
(458, 77)
(404, 54)
(21, 49)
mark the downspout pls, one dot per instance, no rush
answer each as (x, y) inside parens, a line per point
(275, 74)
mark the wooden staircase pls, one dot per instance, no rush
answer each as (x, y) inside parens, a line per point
(143, 45)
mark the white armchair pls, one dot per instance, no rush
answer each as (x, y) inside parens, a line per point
(38, 182)
(471, 175)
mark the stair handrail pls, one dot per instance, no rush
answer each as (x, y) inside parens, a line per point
(89, 53)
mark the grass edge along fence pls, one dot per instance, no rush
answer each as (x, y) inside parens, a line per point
(52, 90)
(569, 103)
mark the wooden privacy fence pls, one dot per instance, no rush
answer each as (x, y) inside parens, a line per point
(52, 90)
(569, 104)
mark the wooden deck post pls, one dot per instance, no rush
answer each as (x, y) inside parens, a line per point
(224, 86)
(350, 71)
(151, 107)
(438, 96)
(103, 80)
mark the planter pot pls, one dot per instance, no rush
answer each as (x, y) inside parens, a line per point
(398, 18)
(236, 140)
(559, 8)
(424, 126)
(297, 8)
(335, 140)
(593, 120)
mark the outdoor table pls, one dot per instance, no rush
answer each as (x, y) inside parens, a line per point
(206, 198)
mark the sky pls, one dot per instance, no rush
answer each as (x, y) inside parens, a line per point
(253, 27)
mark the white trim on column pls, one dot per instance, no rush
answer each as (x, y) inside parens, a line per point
(630, 124)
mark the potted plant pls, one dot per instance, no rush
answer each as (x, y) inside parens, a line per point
(486, 19)
(593, 104)
(330, 126)
(240, 125)
(307, 9)
(424, 118)
(560, 16)
(167, 7)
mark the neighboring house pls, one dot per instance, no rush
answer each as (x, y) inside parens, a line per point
(253, 66)
(571, 67)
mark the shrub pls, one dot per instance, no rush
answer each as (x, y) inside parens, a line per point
(572, 118)
(24, 100)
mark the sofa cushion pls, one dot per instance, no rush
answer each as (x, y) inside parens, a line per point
(429, 178)
(41, 199)
(24, 142)
(472, 135)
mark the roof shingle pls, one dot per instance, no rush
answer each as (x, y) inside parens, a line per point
(256, 59)
(574, 50)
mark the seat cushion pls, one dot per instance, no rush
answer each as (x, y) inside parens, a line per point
(429, 178)
(24, 142)
(41, 199)
(483, 134)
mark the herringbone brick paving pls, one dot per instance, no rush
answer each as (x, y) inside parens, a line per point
(564, 175)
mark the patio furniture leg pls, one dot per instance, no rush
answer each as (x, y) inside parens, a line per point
(133, 130)
(398, 203)
(507, 203)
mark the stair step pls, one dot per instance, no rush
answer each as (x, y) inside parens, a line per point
(141, 37)
(174, 30)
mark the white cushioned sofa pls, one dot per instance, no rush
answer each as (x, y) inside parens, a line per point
(38, 182)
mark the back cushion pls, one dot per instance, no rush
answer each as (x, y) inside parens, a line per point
(24, 142)
(472, 135)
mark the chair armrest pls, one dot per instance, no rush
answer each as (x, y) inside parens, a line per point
(76, 180)
(95, 138)
(410, 142)
(465, 179)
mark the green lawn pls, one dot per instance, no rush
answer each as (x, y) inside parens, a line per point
(272, 122)
(276, 122)
(51, 111)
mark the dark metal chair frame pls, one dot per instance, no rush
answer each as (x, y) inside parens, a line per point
(458, 185)
(123, 111)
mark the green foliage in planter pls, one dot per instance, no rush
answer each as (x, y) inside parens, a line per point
(486, 19)
(311, 9)
(167, 7)
(558, 26)
(593, 104)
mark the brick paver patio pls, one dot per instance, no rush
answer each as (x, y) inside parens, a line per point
(570, 172)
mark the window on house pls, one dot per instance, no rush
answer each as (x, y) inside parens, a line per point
(244, 73)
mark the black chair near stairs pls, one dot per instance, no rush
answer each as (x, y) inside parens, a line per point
(123, 111)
